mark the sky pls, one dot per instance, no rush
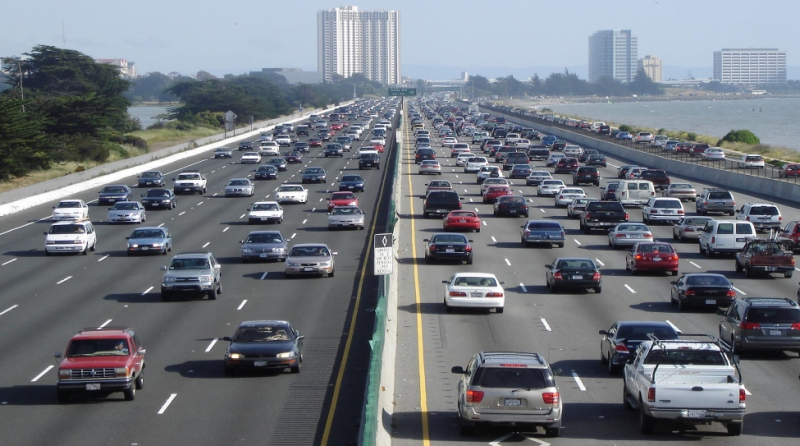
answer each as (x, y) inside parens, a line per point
(437, 36)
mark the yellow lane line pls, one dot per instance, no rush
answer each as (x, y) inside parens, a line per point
(423, 395)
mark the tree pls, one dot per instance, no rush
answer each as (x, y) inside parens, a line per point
(23, 145)
(151, 88)
(536, 84)
(642, 84)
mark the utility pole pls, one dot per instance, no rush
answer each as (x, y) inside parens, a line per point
(21, 89)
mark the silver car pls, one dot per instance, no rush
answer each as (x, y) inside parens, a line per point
(684, 191)
(577, 206)
(310, 259)
(194, 272)
(264, 245)
(149, 240)
(240, 187)
(127, 212)
(689, 228)
(629, 234)
(346, 217)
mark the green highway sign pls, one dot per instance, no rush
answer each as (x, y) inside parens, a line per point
(402, 92)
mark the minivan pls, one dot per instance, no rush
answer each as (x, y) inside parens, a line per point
(725, 236)
(635, 192)
(441, 202)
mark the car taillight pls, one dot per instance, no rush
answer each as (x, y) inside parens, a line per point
(730, 293)
(750, 326)
(748, 218)
(459, 205)
(688, 230)
(742, 395)
(524, 206)
(653, 211)
(596, 276)
(713, 239)
(651, 394)
(557, 276)
(458, 294)
(795, 326)
(588, 215)
(550, 397)
(626, 216)
(494, 294)
(560, 197)
(622, 348)
(432, 247)
(474, 396)
(638, 257)
(690, 292)
(647, 235)
(468, 248)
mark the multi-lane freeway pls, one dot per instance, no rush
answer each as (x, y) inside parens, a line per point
(563, 327)
(187, 399)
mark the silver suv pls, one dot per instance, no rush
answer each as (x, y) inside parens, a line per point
(196, 272)
(508, 388)
(715, 200)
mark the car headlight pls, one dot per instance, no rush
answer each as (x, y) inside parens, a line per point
(64, 373)
(286, 355)
(325, 264)
(247, 251)
(133, 245)
(165, 201)
(122, 372)
(169, 279)
(157, 245)
(49, 242)
(206, 278)
(278, 249)
(78, 242)
(235, 356)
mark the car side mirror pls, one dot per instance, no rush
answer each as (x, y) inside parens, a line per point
(458, 370)
(127, 238)
(557, 372)
(163, 267)
(141, 351)
(445, 281)
(548, 266)
(673, 282)
(57, 355)
(735, 359)
(44, 233)
(300, 337)
(173, 179)
(470, 241)
(226, 338)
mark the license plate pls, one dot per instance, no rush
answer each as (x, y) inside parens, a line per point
(145, 248)
(92, 386)
(577, 277)
(462, 221)
(260, 364)
(155, 204)
(720, 202)
(774, 332)
(512, 402)
(350, 187)
(656, 259)
(449, 250)
(475, 294)
(262, 256)
(186, 189)
(711, 301)
(512, 211)
(308, 269)
(696, 414)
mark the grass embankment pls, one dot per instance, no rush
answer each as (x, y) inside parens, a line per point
(163, 138)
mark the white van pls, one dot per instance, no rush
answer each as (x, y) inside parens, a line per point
(725, 236)
(635, 192)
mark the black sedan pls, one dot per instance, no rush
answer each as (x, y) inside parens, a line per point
(114, 193)
(267, 172)
(279, 163)
(151, 178)
(351, 182)
(264, 345)
(621, 340)
(520, 171)
(314, 175)
(702, 290)
(334, 149)
(293, 157)
(301, 146)
(573, 273)
(159, 199)
(513, 205)
(246, 145)
(448, 246)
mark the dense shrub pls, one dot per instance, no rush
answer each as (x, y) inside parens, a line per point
(743, 136)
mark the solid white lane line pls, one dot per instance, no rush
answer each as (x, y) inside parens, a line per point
(162, 224)
(147, 291)
(181, 213)
(166, 405)
(293, 235)
(42, 374)
(598, 261)
(241, 305)
(26, 224)
(8, 309)
(576, 241)
(578, 382)
(211, 345)
(630, 289)
(696, 265)
(242, 216)
(546, 325)
(102, 258)
(739, 291)
(507, 262)
(494, 239)
(226, 229)
(104, 324)
(63, 280)
(264, 276)
(522, 287)
(207, 243)
(674, 327)
(10, 261)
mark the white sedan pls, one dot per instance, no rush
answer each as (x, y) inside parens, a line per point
(265, 211)
(430, 167)
(449, 142)
(536, 177)
(291, 193)
(713, 154)
(493, 182)
(565, 196)
(474, 290)
(72, 209)
(549, 187)
(461, 159)
(475, 163)
(251, 158)
(751, 161)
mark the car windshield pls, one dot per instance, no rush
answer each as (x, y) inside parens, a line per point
(512, 377)
(67, 229)
(239, 183)
(223, 149)
(113, 190)
(266, 169)
(309, 251)
(98, 347)
(475, 281)
(345, 210)
(151, 175)
(277, 161)
(314, 170)
(343, 196)
(147, 233)
(265, 207)
(69, 204)
(290, 189)
(125, 207)
(264, 238)
(185, 264)
(350, 178)
(253, 154)
(263, 334)
(685, 357)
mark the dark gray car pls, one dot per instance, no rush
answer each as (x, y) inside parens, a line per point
(150, 240)
(762, 323)
(264, 245)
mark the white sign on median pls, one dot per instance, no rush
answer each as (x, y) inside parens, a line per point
(382, 255)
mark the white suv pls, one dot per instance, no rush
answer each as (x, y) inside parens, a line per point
(644, 137)
(764, 216)
(663, 209)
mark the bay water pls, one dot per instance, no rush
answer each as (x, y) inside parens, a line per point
(147, 114)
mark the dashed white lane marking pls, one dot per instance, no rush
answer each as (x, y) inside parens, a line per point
(104, 324)
(546, 325)
(264, 276)
(484, 222)
(630, 289)
(226, 229)
(477, 210)
(470, 200)
(166, 405)
(200, 203)
(522, 287)
(313, 209)
(465, 190)
(181, 213)
(293, 235)
(10, 261)
(211, 345)
(494, 240)
(578, 381)
(8, 309)
(747, 392)
(320, 199)
(207, 243)
(63, 280)
(241, 305)
(102, 258)
(507, 262)
(50, 367)
(576, 241)
(162, 224)
(147, 291)
(674, 327)
(242, 216)
(214, 195)
(695, 265)
(530, 200)
(304, 221)
(541, 210)
(598, 261)
(739, 291)
(26, 224)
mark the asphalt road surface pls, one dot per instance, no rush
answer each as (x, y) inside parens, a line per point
(563, 327)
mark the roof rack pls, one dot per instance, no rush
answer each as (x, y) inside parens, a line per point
(107, 328)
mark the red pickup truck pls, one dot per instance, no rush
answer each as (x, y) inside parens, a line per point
(791, 233)
(765, 256)
(100, 361)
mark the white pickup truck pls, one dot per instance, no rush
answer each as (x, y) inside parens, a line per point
(190, 181)
(684, 381)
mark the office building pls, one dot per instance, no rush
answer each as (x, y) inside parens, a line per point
(750, 66)
(652, 67)
(350, 41)
(613, 53)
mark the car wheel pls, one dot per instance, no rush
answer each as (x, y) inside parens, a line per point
(130, 394)
(674, 235)
(331, 273)
(94, 247)
(700, 248)
(598, 289)
(140, 381)
(469, 261)
(498, 310)
(295, 369)
(212, 295)
(710, 253)
(85, 250)
(646, 422)
(682, 306)
(738, 266)
(560, 245)
(675, 273)
(735, 428)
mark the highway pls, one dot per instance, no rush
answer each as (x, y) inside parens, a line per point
(186, 399)
(563, 327)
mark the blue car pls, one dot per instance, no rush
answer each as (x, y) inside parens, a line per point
(549, 140)
(624, 135)
(351, 183)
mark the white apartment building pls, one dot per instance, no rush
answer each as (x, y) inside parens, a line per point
(652, 67)
(350, 41)
(126, 69)
(613, 53)
(750, 66)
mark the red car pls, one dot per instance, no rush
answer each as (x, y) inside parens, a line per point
(372, 146)
(789, 170)
(462, 221)
(652, 256)
(336, 125)
(494, 192)
(683, 147)
(342, 199)
(791, 232)
(315, 142)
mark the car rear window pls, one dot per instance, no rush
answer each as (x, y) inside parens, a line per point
(764, 210)
(605, 206)
(667, 204)
(517, 378)
(773, 315)
(642, 332)
(720, 196)
(544, 225)
(725, 228)
(685, 357)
